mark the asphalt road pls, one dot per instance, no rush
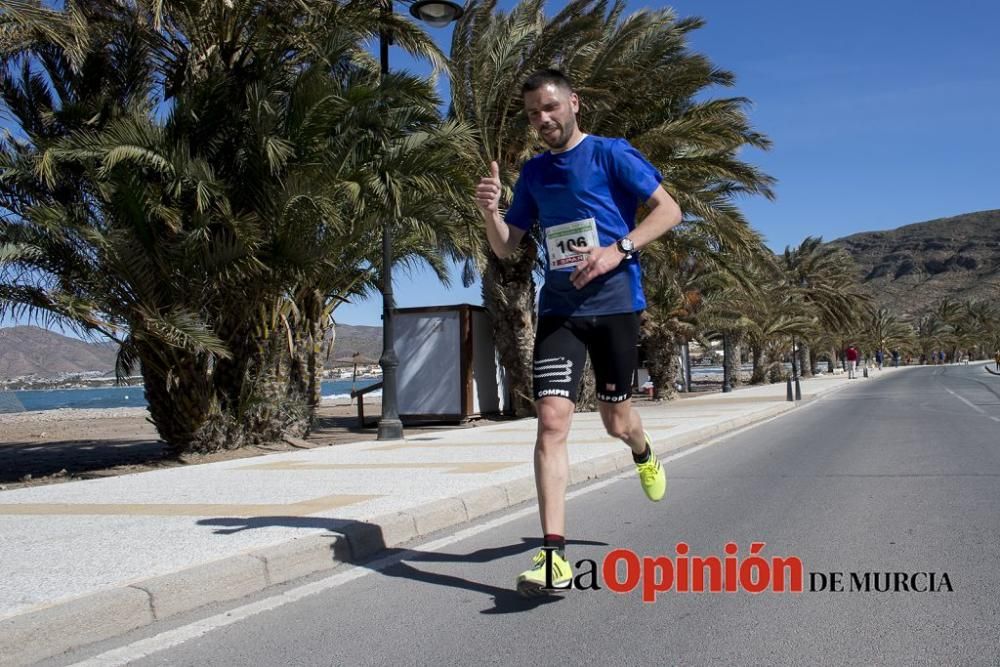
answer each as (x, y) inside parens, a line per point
(896, 475)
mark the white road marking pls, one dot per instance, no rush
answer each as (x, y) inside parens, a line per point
(966, 401)
(972, 405)
(144, 648)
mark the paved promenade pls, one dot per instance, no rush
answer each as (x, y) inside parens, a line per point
(88, 560)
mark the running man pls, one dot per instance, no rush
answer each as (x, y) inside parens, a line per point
(584, 192)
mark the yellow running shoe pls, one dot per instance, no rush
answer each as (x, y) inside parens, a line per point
(531, 583)
(651, 475)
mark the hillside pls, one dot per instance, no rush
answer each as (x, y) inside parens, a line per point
(366, 341)
(29, 350)
(910, 268)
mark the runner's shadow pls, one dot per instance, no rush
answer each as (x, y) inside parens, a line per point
(395, 561)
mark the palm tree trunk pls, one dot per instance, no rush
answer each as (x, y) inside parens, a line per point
(757, 376)
(303, 387)
(309, 334)
(661, 361)
(774, 366)
(182, 402)
(509, 296)
(805, 360)
(734, 361)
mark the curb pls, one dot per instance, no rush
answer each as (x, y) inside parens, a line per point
(47, 632)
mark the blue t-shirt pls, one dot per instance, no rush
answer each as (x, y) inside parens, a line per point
(599, 178)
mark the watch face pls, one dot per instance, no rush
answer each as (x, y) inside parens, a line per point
(626, 245)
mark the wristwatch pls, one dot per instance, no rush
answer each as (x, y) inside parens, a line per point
(625, 246)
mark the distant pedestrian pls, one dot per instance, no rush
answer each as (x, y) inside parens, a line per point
(852, 360)
(878, 359)
(895, 358)
(996, 358)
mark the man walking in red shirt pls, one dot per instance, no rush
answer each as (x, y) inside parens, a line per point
(852, 360)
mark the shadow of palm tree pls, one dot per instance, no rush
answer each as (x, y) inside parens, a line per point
(77, 457)
(368, 549)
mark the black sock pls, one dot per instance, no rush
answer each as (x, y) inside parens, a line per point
(557, 541)
(641, 458)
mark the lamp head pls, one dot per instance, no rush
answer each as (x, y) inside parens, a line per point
(436, 13)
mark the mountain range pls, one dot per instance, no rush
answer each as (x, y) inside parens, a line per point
(29, 350)
(911, 268)
(33, 351)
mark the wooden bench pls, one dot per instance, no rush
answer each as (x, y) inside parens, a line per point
(360, 395)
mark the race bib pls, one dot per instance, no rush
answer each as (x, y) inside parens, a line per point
(560, 241)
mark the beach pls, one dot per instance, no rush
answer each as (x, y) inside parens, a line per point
(36, 447)
(112, 423)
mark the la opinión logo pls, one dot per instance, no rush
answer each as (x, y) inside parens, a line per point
(623, 571)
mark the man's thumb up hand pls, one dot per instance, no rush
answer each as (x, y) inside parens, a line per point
(488, 190)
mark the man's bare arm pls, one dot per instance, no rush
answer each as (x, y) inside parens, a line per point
(503, 238)
(664, 215)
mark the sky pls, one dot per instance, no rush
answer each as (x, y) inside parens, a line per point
(881, 113)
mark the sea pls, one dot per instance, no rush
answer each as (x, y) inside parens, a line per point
(133, 397)
(130, 397)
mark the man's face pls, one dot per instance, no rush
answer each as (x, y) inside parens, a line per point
(552, 112)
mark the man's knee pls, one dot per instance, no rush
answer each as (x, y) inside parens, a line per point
(554, 416)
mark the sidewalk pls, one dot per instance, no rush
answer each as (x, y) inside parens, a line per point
(89, 560)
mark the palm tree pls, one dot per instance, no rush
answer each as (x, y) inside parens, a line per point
(984, 328)
(761, 312)
(967, 321)
(674, 299)
(825, 279)
(690, 288)
(202, 182)
(884, 331)
(933, 334)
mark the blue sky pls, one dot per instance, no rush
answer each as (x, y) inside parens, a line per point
(882, 113)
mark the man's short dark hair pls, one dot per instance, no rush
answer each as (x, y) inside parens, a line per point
(544, 77)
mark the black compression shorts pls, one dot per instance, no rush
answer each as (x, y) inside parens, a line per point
(561, 347)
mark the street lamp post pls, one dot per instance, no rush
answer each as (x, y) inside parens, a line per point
(795, 367)
(795, 371)
(687, 366)
(437, 14)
